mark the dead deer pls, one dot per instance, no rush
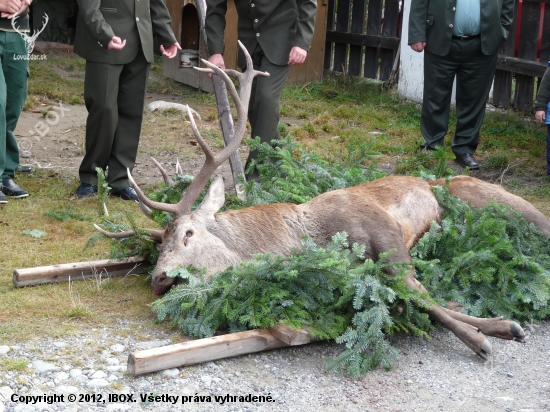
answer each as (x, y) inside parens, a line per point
(388, 213)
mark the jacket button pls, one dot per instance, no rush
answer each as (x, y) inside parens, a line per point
(450, 26)
(257, 34)
(137, 18)
(252, 5)
(454, 8)
(255, 20)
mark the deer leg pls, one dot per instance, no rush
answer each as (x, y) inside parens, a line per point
(469, 334)
(497, 327)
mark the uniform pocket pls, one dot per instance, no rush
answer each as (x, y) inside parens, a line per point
(282, 14)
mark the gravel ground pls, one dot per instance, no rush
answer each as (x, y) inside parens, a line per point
(437, 375)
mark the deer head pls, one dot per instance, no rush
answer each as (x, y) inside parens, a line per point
(188, 239)
(30, 40)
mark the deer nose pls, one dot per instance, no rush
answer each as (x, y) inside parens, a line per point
(162, 278)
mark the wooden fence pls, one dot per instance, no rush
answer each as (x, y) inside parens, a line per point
(363, 38)
(524, 56)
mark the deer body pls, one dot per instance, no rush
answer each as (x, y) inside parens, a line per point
(388, 213)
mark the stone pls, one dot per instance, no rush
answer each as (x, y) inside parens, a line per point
(98, 375)
(97, 383)
(117, 348)
(4, 350)
(43, 367)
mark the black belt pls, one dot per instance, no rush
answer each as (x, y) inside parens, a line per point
(466, 37)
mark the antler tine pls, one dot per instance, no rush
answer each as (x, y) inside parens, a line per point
(146, 211)
(167, 180)
(211, 163)
(164, 207)
(156, 235)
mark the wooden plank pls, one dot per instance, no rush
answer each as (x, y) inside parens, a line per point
(545, 46)
(521, 66)
(358, 27)
(389, 29)
(502, 85)
(342, 26)
(202, 350)
(374, 24)
(77, 271)
(374, 41)
(329, 47)
(292, 337)
(525, 85)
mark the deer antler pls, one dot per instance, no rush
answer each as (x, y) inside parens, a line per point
(156, 235)
(211, 163)
(241, 100)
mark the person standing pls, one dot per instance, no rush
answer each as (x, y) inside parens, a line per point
(462, 38)
(277, 34)
(116, 39)
(13, 91)
(542, 110)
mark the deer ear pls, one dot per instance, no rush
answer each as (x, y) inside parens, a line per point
(214, 199)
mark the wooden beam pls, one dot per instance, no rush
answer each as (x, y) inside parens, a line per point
(292, 337)
(77, 271)
(520, 66)
(369, 40)
(202, 350)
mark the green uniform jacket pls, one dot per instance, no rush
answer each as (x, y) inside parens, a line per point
(432, 21)
(277, 25)
(543, 95)
(134, 21)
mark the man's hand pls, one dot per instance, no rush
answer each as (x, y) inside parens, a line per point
(418, 47)
(116, 44)
(9, 8)
(297, 56)
(171, 51)
(540, 115)
(216, 60)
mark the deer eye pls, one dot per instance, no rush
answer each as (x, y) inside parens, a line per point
(188, 234)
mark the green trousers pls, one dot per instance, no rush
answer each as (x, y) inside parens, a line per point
(474, 75)
(13, 92)
(114, 95)
(263, 110)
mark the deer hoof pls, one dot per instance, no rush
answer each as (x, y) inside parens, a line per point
(485, 350)
(517, 331)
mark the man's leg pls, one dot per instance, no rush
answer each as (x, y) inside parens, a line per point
(131, 97)
(263, 111)
(15, 74)
(439, 73)
(473, 84)
(100, 95)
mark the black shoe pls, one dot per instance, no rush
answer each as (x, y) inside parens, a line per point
(10, 188)
(467, 160)
(3, 198)
(128, 193)
(24, 169)
(85, 190)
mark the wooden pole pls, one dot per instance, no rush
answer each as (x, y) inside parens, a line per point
(202, 350)
(217, 347)
(224, 110)
(77, 271)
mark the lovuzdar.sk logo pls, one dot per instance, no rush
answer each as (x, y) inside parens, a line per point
(29, 40)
